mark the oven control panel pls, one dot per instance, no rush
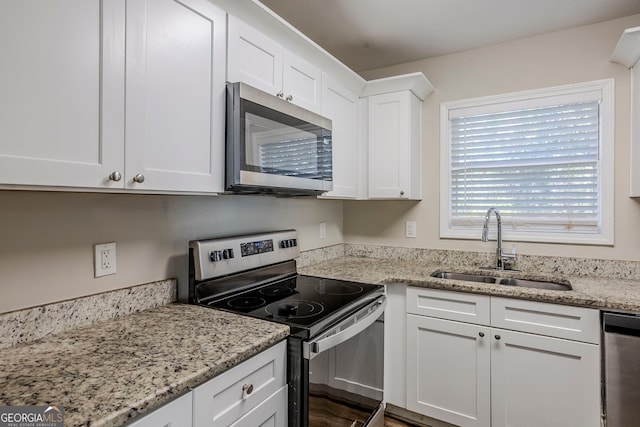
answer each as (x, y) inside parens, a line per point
(219, 257)
(254, 248)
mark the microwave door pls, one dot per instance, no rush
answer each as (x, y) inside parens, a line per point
(272, 147)
(275, 147)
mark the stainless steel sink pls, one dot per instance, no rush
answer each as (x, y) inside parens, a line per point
(464, 276)
(555, 285)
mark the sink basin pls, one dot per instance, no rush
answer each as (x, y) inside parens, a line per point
(556, 285)
(464, 276)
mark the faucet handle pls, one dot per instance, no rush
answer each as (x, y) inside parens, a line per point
(509, 260)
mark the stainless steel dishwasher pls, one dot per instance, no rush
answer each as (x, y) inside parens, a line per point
(622, 369)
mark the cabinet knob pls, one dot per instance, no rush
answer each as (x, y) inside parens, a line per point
(402, 192)
(290, 98)
(280, 94)
(497, 337)
(247, 389)
(115, 176)
(481, 334)
(139, 178)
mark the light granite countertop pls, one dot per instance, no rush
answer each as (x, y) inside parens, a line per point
(602, 293)
(113, 371)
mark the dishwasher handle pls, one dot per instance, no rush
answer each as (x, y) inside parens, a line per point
(624, 324)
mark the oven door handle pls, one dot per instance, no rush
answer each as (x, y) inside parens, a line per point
(313, 348)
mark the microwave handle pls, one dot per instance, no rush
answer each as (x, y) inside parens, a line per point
(324, 344)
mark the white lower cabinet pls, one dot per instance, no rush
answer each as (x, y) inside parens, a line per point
(448, 371)
(543, 381)
(270, 413)
(177, 413)
(254, 393)
(476, 374)
(251, 394)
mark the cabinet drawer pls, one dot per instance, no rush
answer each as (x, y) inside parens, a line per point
(448, 305)
(270, 413)
(562, 321)
(177, 413)
(223, 400)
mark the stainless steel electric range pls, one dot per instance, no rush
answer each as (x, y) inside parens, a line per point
(335, 350)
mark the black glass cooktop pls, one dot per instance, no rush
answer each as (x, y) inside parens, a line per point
(298, 301)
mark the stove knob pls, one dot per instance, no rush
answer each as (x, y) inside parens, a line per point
(294, 243)
(284, 244)
(227, 253)
(215, 256)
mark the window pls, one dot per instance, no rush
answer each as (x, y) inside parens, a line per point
(543, 158)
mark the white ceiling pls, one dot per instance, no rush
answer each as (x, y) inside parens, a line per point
(369, 34)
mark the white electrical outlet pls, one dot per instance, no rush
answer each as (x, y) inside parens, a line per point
(104, 259)
(410, 229)
(323, 230)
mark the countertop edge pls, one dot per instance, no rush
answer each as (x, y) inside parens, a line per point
(608, 294)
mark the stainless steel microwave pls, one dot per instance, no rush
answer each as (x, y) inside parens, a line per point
(274, 146)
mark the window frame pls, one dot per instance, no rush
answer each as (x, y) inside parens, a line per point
(536, 97)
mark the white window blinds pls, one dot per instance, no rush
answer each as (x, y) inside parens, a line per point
(537, 159)
(537, 165)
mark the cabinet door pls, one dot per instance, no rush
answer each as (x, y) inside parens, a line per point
(635, 132)
(62, 92)
(448, 370)
(341, 106)
(178, 413)
(541, 381)
(254, 58)
(175, 95)
(302, 83)
(394, 146)
(270, 413)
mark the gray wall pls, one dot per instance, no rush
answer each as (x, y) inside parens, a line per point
(46, 238)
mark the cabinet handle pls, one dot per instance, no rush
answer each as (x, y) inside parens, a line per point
(290, 98)
(497, 337)
(280, 94)
(139, 178)
(115, 176)
(247, 389)
(481, 334)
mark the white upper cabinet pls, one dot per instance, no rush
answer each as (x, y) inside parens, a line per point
(62, 86)
(175, 97)
(395, 146)
(395, 136)
(342, 107)
(66, 119)
(627, 53)
(263, 63)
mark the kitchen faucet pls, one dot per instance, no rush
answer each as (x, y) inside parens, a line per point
(503, 261)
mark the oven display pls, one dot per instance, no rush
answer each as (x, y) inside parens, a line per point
(254, 248)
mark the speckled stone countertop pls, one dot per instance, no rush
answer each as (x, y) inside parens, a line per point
(113, 371)
(602, 293)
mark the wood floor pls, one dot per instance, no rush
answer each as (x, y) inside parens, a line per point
(392, 422)
(329, 413)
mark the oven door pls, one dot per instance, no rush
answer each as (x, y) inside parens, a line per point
(346, 369)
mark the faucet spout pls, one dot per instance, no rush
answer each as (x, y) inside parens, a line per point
(485, 228)
(502, 259)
